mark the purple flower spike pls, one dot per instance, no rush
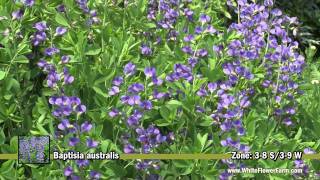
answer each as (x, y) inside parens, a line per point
(68, 171)
(91, 143)
(150, 71)
(73, 141)
(86, 126)
(129, 69)
(60, 31)
(95, 174)
(40, 26)
(17, 14)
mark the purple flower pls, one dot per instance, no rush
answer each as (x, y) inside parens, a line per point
(38, 38)
(68, 79)
(192, 61)
(74, 177)
(211, 29)
(28, 3)
(146, 105)
(187, 50)
(114, 90)
(51, 51)
(95, 174)
(158, 95)
(133, 120)
(40, 26)
(114, 112)
(64, 124)
(202, 52)
(82, 163)
(61, 8)
(287, 122)
(73, 141)
(198, 30)
(132, 100)
(65, 59)
(128, 148)
(17, 14)
(268, 3)
(136, 88)
(204, 18)
(68, 171)
(212, 87)
(157, 81)
(146, 50)
(308, 151)
(60, 31)
(93, 13)
(81, 109)
(188, 38)
(150, 71)
(117, 81)
(42, 63)
(202, 92)
(91, 143)
(129, 69)
(86, 126)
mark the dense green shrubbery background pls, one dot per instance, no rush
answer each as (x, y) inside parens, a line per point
(98, 54)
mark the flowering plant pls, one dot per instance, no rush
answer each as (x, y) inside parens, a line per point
(164, 76)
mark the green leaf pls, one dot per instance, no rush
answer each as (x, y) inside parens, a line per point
(2, 137)
(6, 166)
(2, 74)
(174, 104)
(162, 122)
(22, 59)
(165, 112)
(99, 91)
(14, 144)
(206, 121)
(61, 20)
(298, 135)
(93, 52)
